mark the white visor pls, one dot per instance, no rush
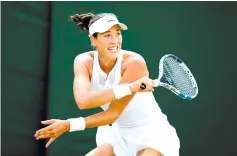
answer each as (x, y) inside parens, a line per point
(105, 23)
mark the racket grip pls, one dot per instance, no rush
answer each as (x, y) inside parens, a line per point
(143, 86)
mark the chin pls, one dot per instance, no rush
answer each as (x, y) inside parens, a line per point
(114, 55)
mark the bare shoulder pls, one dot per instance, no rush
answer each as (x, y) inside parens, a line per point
(84, 61)
(133, 59)
(85, 57)
(134, 66)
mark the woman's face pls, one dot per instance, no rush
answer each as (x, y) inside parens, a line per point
(109, 43)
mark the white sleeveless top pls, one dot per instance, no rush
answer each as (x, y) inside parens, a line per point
(141, 109)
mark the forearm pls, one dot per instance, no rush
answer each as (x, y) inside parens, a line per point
(100, 119)
(110, 115)
(103, 118)
(93, 99)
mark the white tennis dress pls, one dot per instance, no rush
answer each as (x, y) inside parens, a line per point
(141, 125)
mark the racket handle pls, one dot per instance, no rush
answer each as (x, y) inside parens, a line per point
(143, 86)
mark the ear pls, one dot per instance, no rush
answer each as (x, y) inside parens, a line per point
(93, 41)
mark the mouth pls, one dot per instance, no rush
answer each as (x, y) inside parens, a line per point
(113, 49)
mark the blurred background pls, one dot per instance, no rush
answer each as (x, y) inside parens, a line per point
(39, 45)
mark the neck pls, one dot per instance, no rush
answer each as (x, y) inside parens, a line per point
(106, 63)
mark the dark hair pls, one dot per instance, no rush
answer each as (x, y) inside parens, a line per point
(84, 21)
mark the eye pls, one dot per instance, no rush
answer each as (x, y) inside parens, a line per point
(118, 33)
(107, 35)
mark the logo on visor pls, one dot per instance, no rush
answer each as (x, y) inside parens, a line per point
(111, 20)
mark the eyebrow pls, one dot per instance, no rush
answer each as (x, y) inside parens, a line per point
(110, 31)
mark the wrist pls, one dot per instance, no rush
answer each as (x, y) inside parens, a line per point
(122, 90)
(76, 124)
(66, 125)
(131, 86)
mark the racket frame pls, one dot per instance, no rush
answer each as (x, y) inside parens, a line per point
(171, 88)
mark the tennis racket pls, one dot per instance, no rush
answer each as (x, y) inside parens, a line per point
(175, 76)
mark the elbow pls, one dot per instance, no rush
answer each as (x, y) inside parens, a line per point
(114, 117)
(81, 103)
(113, 120)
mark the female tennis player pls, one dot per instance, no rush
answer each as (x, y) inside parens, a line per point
(110, 78)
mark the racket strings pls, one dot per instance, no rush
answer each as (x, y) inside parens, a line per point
(175, 75)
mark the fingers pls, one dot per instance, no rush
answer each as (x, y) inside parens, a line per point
(149, 84)
(155, 83)
(44, 131)
(50, 141)
(47, 133)
(48, 122)
(43, 137)
(50, 131)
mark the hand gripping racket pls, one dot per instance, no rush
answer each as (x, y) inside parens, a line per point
(176, 77)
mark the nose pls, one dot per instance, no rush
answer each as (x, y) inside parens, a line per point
(114, 39)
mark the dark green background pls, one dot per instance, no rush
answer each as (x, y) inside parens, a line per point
(39, 45)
